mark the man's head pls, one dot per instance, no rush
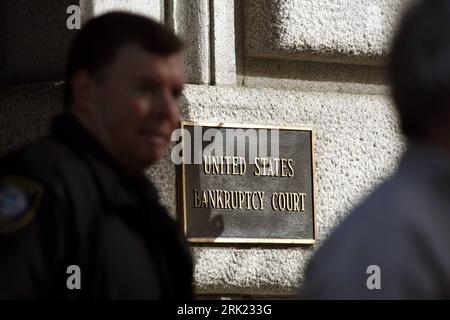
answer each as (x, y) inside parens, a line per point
(123, 78)
(420, 70)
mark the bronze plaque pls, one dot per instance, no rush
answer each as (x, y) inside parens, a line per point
(246, 184)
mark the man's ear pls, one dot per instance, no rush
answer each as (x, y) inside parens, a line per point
(83, 90)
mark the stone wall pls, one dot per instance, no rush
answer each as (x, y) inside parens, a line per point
(284, 62)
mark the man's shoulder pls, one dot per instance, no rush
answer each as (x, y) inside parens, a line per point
(370, 229)
(45, 175)
(49, 163)
(391, 211)
(28, 183)
(395, 230)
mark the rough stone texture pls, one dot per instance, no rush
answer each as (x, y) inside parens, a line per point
(357, 31)
(223, 42)
(357, 145)
(190, 20)
(33, 40)
(150, 8)
(315, 76)
(26, 111)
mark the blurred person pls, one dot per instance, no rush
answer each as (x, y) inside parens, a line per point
(77, 202)
(396, 244)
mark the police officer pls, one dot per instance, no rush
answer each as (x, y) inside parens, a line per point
(395, 245)
(78, 217)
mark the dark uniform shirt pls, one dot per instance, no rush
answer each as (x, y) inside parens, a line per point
(63, 202)
(396, 244)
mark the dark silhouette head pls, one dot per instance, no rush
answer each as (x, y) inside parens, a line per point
(420, 68)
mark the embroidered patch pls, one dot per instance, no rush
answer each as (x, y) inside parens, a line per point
(20, 197)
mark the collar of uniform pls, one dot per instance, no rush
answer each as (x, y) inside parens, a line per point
(116, 188)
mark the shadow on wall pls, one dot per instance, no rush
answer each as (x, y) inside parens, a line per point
(34, 40)
(26, 112)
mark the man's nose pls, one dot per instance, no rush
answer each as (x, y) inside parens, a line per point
(167, 108)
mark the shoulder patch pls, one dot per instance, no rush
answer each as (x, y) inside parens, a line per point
(20, 197)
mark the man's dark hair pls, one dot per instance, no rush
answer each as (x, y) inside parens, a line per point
(97, 43)
(420, 66)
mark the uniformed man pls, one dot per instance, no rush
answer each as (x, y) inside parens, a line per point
(78, 217)
(396, 245)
